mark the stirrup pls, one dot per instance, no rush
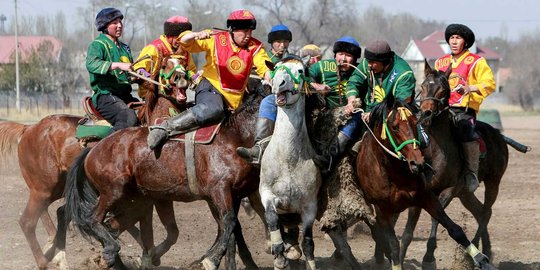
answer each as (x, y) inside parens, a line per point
(157, 127)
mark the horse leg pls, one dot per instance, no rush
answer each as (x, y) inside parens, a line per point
(47, 222)
(256, 204)
(428, 261)
(165, 211)
(35, 206)
(224, 202)
(278, 247)
(435, 209)
(482, 214)
(60, 239)
(243, 250)
(386, 236)
(343, 250)
(307, 243)
(147, 234)
(111, 248)
(408, 232)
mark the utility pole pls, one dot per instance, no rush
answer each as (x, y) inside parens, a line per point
(2, 20)
(18, 98)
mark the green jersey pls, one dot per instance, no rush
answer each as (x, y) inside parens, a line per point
(101, 53)
(398, 80)
(326, 72)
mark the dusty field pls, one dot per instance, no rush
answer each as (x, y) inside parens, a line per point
(514, 226)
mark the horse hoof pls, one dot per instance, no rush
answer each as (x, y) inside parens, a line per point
(293, 252)
(310, 265)
(280, 262)
(429, 265)
(59, 261)
(268, 249)
(145, 262)
(208, 264)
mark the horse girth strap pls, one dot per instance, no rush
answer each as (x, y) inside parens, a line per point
(189, 161)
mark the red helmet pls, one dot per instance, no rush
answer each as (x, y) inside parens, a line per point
(241, 19)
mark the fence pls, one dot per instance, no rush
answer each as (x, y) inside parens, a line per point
(35, 106)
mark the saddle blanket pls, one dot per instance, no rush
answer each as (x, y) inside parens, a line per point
(203, 135)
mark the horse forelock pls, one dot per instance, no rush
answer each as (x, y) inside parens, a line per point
(435, 81)
(382, 111)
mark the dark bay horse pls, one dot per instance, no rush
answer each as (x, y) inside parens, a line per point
(121, 167)
(446, 159)
(45, 151)
(394, 180)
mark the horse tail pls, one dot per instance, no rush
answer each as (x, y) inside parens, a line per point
(80, 196)
(10, 134)
(516, 145)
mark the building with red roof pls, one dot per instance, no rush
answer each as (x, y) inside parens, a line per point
(27, 45)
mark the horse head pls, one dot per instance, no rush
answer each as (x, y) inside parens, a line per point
(434, 93)
(395, 125)
(173, 75)
(288, 79)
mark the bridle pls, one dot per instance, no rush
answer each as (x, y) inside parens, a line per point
(440, 103)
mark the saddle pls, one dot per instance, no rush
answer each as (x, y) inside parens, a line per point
(93, 127)
(203, 135)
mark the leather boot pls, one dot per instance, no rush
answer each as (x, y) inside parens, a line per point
(328, 160)
(263, 133)
(182, 123)
(472, 159)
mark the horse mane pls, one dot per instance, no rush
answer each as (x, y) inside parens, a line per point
(250, 104)
(381, 111)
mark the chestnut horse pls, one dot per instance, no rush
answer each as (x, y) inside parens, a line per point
(446, 160)
(393, 180)
(45, 151)
(121, 167)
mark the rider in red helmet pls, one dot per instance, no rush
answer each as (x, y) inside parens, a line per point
(151, 56)
(230, 57)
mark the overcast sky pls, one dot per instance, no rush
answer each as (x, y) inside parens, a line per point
(505, 18)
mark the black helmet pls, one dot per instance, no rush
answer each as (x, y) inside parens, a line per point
(380, 51)
(107, 15)
(461, 30)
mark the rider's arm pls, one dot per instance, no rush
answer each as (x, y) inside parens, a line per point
(481, 80)
(404, 87)
(259, 61)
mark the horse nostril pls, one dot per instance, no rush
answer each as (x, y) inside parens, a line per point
(427, 113)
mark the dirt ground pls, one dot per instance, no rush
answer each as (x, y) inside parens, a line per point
(514, 226)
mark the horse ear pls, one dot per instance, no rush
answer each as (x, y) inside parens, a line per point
(390, 100)
(448, 72)
(270, 65)
(427, 68)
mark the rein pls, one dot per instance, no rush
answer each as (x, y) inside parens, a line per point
(386, 132)
(146, 79)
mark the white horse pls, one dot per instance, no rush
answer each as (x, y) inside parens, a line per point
(290, 180)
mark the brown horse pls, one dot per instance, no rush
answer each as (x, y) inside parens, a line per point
(447, 163)
(394, 180)
(45, 151)
(122, 166)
